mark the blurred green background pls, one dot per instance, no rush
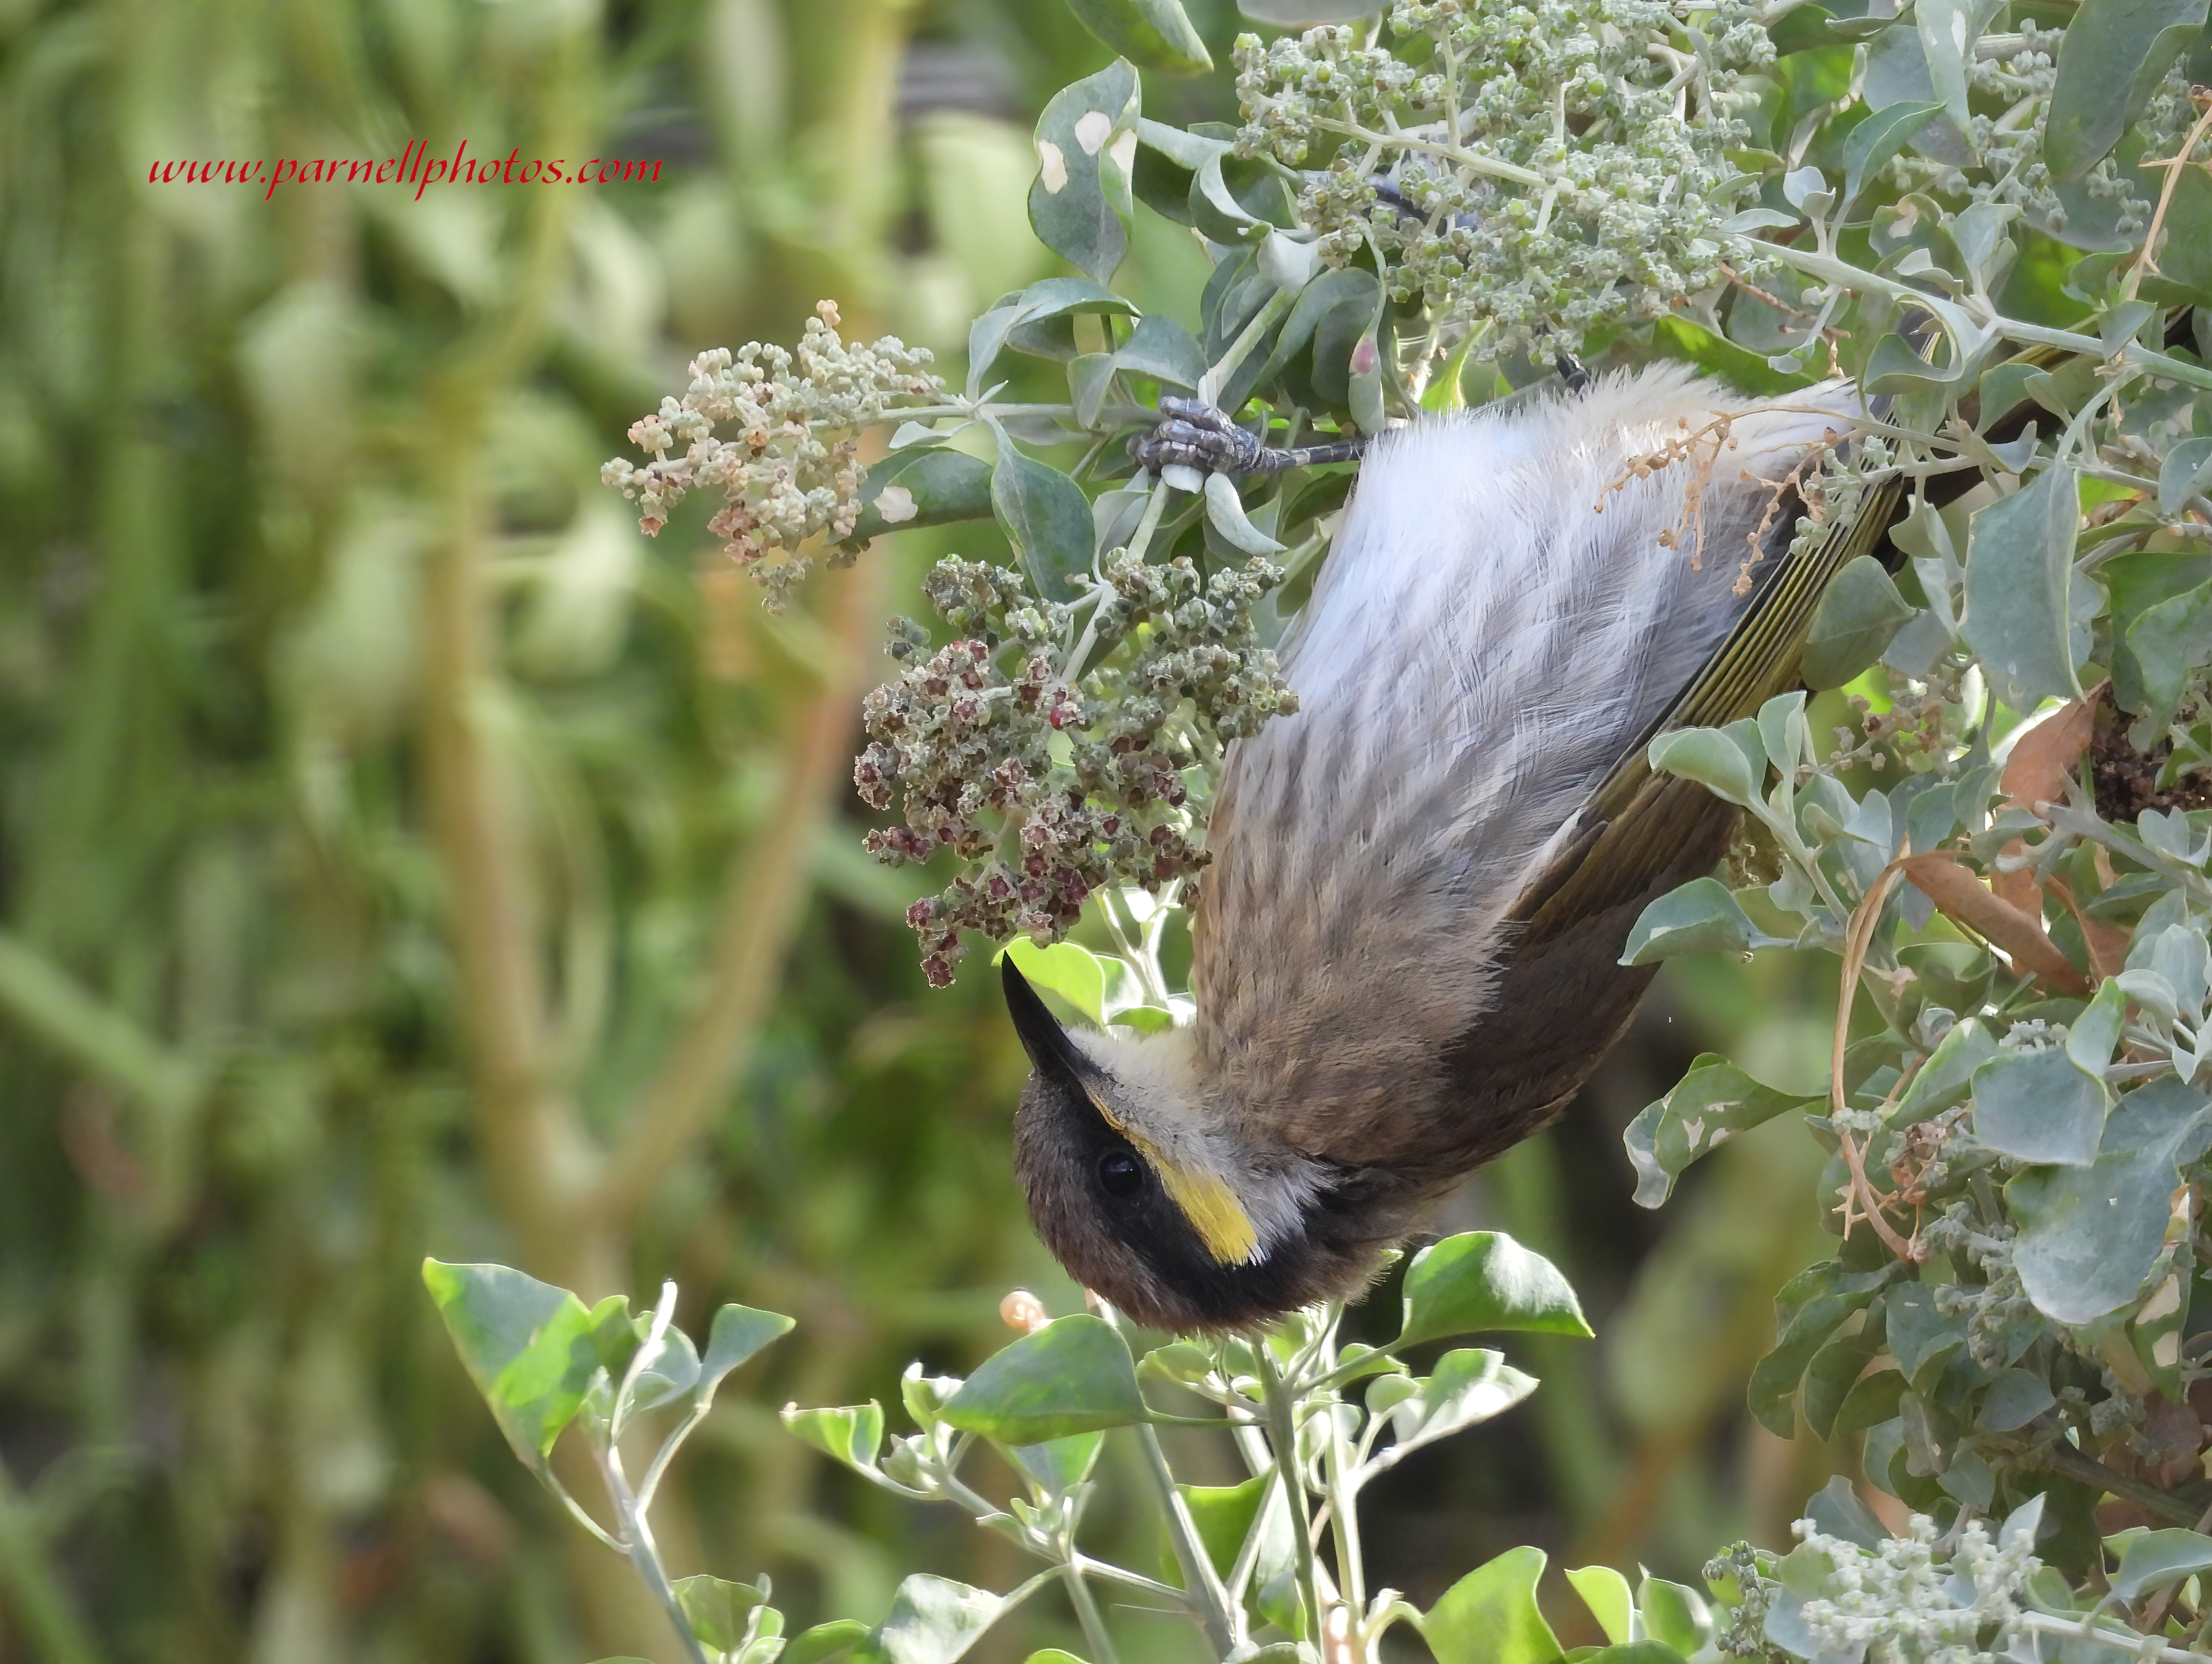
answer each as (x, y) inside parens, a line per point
(399, 854)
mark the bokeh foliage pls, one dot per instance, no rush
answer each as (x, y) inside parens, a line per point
(397, 856)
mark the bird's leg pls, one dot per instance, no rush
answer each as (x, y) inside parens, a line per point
(1194, 434)
(1572, 371)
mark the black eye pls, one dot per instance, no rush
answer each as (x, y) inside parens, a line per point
(1121, 1173)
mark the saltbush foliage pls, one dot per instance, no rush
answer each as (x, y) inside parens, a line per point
(1998, 220)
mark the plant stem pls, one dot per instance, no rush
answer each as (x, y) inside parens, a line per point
(644, 1556)
(1283, 1434)
(1274, 307)
(1221, 1617)
(1086, 1609)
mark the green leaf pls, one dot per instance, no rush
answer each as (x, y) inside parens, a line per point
(531, 1349)
(2038, 1106)
(2014, 1399)
(1059, 1465)
(926, 485)
(934, 1620)
(851, 1435)
(1674, 1614)
(2094, 1036)
(1878, 138)
(823, 1641)
(1466, 1388)
(1162, 349)
(1045, 516)
(1087, 142)
(1948, 1075)
(717, 1609)
(1605, 1593)
(2137, 584)
(2089, 1236)
(1223, 1517)
(2185, 473)
(1921, 1338)
(1484, 1280)
(1833, 1372)
(2019, 565)
(738, 1331)
(2168, 643)
(1701, 917)
(2114, 57)
(1154, 35)
(2159, 1558)
(1730, 761)
(1871, 1402)
(1491, 1615)
(1074, 972)
(1631, 1652)
(1074, 1376)
(1746, 371)
(1713, 1101)
(1859, 615)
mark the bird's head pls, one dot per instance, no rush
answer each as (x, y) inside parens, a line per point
(1155, 1194)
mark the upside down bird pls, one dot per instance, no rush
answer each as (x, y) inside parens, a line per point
(1406, 956)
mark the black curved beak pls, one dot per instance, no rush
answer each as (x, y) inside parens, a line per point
(1042, 1037)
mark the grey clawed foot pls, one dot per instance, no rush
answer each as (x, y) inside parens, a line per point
(1194, 434)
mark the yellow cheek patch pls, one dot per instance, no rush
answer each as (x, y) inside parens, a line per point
(1206, 1198)
(1213, 1210)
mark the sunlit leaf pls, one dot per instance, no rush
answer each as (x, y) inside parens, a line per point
(1491, 1615)
(934, 1620)
(851, 1434)
(1484, 1280)
(1074, 1376)
(531, 1348)
(717, 1609)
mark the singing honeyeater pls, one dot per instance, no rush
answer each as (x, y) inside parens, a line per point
(1406, 952)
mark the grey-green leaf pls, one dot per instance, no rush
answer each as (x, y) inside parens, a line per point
(2038, 1106)
(1045, 517)
(1086, 139)
(2115, 53)
(2185, 473)
(1701, 917)
(1224, 513)
(2019, 565)
(927, 486)
(1859, 615)
(2089, 1236)
(1713, 1101)
(1484, 1280)
(1728, 762)
(2159, 1558)
(1879, 137)
(1164, 350)
(1074, 1376)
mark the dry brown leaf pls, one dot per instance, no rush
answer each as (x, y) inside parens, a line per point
(2107, 944)
(1965, 900)
(2035, 774)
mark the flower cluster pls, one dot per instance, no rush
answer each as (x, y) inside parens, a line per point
(1900, 1600)
(1541, 169)
(790, 469)
(1047, 781)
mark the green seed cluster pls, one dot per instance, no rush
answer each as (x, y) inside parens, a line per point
(789, 467)
(1046, 786)
(1564, 161)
